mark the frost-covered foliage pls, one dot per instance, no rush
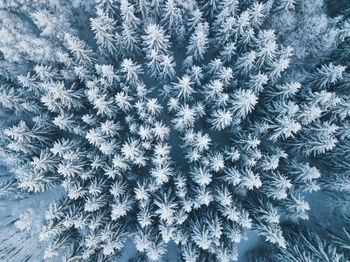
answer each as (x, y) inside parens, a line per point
(168, 121)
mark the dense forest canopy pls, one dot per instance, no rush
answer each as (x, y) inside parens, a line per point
(175, 130)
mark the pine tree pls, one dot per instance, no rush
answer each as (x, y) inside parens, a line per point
(156, 45)
(184, 88)
(108, 5)
(296, 207)
(267, 47)
(281, 64)
(172, 19)
(10, 98)
(36, 181)
(156, 250)
(143, 7)
(130, 40)
(189, 253)
(195, 18)
(228, 52)
(246, 62)
(285, 5)
(156, 39)
(198, 43)
(257, 14)
(278, 186)
(243, 102)
(226, 30)
(344, 32)
(167, 67)
(273, 234)
(166, 206)
(104, 28)
(131, 70)
(250, 180)
(242, 24)
(228, 8)
(58, 97)
(257, 82)
(327, 74)
(122, 205)
(129, 32)
(221, 119)
(81, 52)
(201, 235)
(209, 7)
(201, 175)
(25, 139)
(247, 39)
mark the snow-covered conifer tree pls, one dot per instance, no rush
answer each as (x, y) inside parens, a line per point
(246, 62)
(328, 74)
(243, 102)
(198, 43)
(81, 52)
(104, 28)
(156, 39)
(184, 88)
(221, 119)
(173, 19)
